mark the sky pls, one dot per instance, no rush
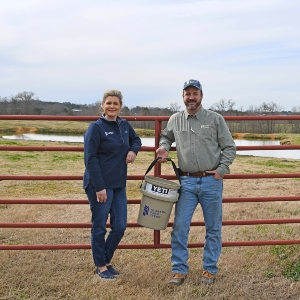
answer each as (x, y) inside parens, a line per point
(74, 50)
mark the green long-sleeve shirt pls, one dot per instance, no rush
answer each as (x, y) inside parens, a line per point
(203, 141)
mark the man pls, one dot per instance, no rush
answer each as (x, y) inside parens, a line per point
(205, 149)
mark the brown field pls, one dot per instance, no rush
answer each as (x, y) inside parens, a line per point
(245, 272)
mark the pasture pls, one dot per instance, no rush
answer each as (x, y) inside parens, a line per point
(260, 272)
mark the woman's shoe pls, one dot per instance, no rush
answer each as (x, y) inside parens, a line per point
(105, 274)
(112, 270)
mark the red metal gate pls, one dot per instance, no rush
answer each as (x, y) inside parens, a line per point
(157, 172)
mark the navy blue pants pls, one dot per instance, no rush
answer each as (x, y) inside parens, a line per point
(116, 206)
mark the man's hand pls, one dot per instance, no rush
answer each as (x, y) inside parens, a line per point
(163, 153)
(216, 174)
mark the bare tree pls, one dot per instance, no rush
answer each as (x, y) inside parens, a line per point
(252, 110)
(54, 109)
(295, 124)
(174, 107)
(28, 103)
(223, 106)
(270, 109)
(4, 106)
(24, 103)
(230, 105)
(125, 111)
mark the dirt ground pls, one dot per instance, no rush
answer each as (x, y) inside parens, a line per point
(255, 272)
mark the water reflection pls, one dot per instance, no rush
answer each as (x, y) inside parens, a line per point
(295, 154)
(46, 137)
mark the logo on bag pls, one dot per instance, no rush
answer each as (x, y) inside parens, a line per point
(146, 210)
(160, 190)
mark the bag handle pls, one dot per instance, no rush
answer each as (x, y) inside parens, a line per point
(176, 170)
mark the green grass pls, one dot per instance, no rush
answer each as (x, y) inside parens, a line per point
(269, 163)
(254, 136)
(144, 132)
(282, 252)
(289, 258)
(296, 212)
(10, 143)
(292, 270)
(18, 157)
(59, 158)
(277, 164)
(13, 157)
(40, 126)
(262, 229)
(269, 273)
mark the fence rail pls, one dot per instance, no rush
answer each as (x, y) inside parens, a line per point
(157, 172)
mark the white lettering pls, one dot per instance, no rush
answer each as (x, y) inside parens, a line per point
(107, 133)
(159, 189)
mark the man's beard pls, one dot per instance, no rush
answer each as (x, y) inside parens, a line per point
(194, 107)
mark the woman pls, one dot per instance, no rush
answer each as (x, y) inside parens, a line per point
(110, 144)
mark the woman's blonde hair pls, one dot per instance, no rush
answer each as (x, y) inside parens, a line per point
(114, 93)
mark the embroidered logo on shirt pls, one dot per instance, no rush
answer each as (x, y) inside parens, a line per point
(204, 126)
(107, 133)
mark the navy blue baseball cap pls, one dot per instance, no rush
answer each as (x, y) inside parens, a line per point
(193, 82)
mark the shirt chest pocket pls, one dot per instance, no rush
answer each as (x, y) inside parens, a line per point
(204, 132)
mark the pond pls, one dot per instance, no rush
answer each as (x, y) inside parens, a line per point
(294, 154)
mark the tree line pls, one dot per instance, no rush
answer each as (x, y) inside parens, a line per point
(27, 103)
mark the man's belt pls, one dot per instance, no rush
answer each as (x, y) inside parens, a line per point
(197, 174)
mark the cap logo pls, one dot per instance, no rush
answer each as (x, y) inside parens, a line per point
(192, 82)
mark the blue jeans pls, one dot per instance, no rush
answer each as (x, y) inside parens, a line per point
(115, 205)
(208, 192)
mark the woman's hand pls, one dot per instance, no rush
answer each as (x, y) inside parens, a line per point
(101, 196)
(130, 157)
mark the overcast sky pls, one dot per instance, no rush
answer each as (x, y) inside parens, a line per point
(75, 50)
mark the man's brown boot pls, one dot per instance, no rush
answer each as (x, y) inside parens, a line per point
(207, 277)
(177, 279)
